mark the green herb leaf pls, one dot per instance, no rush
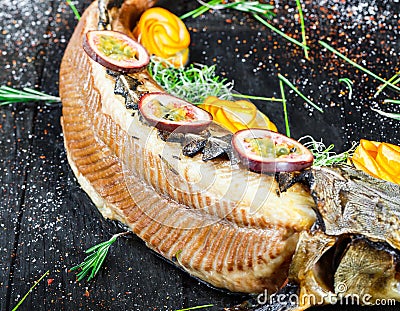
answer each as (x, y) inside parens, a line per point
(367, 71)
(284, 108)
(269, 99)
(30, 290)
(394, 80)
(93, 262)
(349, 84)
(197, 307)
(390, 115)
(265, 23)
(10, 95)
(73, 8)
(244, 6)
(303, 29)
(391, 101)
(193, 83)
(287, 82)
(324, 156)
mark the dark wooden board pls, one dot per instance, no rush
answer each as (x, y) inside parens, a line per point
(47, 221)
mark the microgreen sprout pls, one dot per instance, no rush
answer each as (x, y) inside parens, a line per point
(390, 115)
(270, 99)
(244, 6)
(285, 114)
(196, 307)
(367, 71)
(324, 156)
(73, 8)
(193, 83)
(30, 290)
(303, 29)
(391, 101)
(273, 28)
(94, 261)
(10, 95)
(349, 85)
(294, 88)
(394, 80)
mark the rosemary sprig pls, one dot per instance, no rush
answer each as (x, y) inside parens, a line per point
(73, 8)
(265, 23)
(324, 156)
(244, 6)
(193, 83)
(30, 290)
(287, 82)
(93, 262)
(10, 95)
(390, 115)
(303, 29)
(196, 307)
(349, 85)
(285, 114)
(367, 71)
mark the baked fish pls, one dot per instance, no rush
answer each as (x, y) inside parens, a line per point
(217, 220)
(351, 254)
(193, 202)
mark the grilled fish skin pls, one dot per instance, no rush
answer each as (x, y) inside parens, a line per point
(223, 224)
(351, 254)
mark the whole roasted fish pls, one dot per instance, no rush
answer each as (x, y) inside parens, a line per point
(351, 254)
(216, 219)
(230, 227)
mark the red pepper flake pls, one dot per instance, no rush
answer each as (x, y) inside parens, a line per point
(86, 294)
(42, 157)
(50, 281)
(228, 21)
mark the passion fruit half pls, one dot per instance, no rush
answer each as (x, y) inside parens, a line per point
(265, 151)
(169, 113)
(115, 50)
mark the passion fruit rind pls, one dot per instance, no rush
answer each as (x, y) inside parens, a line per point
(192, 126)
(123, 66)
(270, 165)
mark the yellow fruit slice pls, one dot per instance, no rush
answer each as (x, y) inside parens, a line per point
(370, 146)
(236, 115)
(366, 160)
(378, 166)
(164, 34)
(389, 158)
(361, 167)
(221, 118)
(262, 121)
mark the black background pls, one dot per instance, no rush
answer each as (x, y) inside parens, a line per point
(47, 221)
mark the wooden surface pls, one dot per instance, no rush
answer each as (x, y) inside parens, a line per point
(47, 221)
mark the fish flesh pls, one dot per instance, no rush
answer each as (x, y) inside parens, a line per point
(214, 218)
(351, 254)
(324, 232)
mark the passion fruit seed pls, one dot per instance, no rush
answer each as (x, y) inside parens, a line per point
(281, 150)
(116, 49)
(265, 151)
(169, 113)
